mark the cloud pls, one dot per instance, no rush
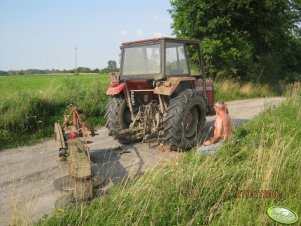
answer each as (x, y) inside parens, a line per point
(162, 20)
(124, 32)
(158, 34)
(139, 33)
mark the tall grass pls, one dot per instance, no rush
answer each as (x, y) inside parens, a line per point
(27, 116)
(232, 90)
(195, 189)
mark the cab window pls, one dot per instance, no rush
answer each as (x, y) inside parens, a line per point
(194, 60)
(176, 62)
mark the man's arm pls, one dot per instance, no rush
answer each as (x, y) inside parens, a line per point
(217, 132)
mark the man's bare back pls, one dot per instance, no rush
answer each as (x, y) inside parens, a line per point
(222, 126)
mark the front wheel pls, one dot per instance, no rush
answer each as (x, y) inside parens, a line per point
(184, 120)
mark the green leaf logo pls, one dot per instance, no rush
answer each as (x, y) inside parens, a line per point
(282, 215)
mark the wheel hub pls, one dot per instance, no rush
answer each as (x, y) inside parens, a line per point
(191, 122)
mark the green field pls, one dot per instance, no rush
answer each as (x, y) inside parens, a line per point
(30, 104)
(261, 156)
(38, 83)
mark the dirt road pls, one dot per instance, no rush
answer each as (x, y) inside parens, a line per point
(28, 174)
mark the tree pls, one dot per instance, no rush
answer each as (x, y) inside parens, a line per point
(245, 39)
(112, 65)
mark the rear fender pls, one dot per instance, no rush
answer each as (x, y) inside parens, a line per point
(116, 90)
(169, 87)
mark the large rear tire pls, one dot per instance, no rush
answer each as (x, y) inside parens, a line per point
(118, 117)
(184, 120)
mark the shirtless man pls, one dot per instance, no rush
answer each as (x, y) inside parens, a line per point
(222, 128)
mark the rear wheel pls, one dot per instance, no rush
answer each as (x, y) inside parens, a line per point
(184, 120)
(118, 117)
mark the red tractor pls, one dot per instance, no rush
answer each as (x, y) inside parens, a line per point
(160, 93)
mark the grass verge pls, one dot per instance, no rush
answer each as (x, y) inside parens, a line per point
(262, 155)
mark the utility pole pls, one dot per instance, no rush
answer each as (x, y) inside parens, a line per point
(75, 59)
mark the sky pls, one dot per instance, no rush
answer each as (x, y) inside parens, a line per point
(43, 34)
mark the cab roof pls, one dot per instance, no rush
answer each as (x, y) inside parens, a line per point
(189, 41)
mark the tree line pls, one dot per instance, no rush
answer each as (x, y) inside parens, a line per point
(112, 66)
(249, 40)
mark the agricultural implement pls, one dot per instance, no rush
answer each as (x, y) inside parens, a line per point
(160, 94)
(72, 141)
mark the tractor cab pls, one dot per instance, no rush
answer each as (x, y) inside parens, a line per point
(160, 58)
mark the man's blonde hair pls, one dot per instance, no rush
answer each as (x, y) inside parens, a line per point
(220, 104)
